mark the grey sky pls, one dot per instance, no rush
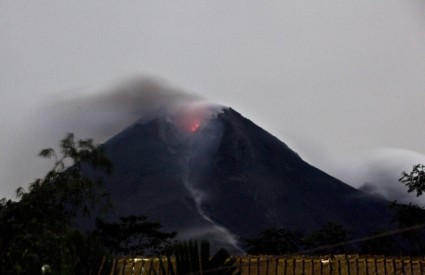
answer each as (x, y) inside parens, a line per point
(336, 80)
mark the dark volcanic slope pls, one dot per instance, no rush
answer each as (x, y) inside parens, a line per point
(148, 165)
(267, 184)
(229, 174)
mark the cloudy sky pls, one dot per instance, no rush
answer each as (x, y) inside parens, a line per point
(341, 82)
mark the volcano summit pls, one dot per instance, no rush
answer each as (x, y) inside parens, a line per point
(210, 173)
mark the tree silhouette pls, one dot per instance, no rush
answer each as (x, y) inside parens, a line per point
(133, 235)
(329, 239)
(274, 241)
(410, 217)
(382, 244)
(411, 222)
(415, 180)
(38, 228)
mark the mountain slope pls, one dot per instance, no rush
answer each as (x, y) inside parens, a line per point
(221, 177)
(282, 189)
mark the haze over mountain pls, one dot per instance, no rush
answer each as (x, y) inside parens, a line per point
(208, 172)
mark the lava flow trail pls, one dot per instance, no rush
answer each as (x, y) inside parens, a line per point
(202, 142)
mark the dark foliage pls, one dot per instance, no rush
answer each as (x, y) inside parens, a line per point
(134, 235)
(329, 239)
(381, 243)
(39, 229)
(274, 241)
(411, 223)
(415, 180)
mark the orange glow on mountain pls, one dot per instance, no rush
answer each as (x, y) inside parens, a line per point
(190, 118)
(194, 127)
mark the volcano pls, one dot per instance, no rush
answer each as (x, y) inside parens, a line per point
(219, 176)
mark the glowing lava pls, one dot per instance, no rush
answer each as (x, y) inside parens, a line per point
(194, 126)
(190, 118)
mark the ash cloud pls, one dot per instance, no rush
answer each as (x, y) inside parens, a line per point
(104, 114)
(92, 113)
(378, 172)
(382, 171)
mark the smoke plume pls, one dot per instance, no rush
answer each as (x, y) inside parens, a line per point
(92, 113)
(104, 114)
(382, 170)
(378, 172)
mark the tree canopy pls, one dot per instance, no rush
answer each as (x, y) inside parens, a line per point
(39, 229)
(274, 241)
(133, 235)
(415, 180)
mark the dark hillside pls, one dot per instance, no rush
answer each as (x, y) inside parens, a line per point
(229, 179)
